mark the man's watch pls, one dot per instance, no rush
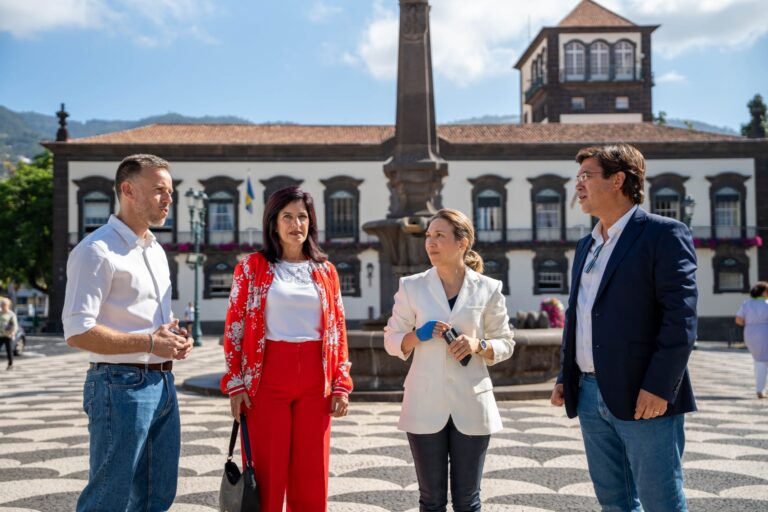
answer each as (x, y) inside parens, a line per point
(482, 347)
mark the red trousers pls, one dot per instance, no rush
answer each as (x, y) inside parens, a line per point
(289, 425)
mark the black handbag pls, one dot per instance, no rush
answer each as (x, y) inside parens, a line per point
(239, 492)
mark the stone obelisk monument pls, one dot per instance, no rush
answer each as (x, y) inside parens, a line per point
(415, 170)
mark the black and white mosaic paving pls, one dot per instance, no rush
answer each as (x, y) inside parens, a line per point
(535, 464)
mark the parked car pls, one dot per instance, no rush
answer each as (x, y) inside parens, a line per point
(19, 341)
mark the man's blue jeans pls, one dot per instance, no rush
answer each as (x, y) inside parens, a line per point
(632, 462)
(135, 435)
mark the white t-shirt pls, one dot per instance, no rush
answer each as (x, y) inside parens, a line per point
(755, 315)
(293, 311)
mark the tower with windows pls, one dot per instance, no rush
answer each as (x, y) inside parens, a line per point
(593, 67)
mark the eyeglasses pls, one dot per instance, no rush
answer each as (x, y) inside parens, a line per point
(594, 258)
(581, 178)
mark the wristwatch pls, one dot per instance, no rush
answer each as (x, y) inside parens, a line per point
(482, 347)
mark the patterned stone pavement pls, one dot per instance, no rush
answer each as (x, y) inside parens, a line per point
(535, 464)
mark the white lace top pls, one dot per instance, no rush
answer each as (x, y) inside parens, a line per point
(293, 311)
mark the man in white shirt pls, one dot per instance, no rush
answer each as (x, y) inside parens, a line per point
(629, 330)
(118, 307)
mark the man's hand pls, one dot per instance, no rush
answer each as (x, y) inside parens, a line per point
(558, 397)
(649, 406)
(339, 406)
(169, 344)
(236, 404)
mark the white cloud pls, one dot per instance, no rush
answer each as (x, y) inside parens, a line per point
(25, 18)
(688, 25)
(322, 11)
(482, 38)
(147, 22)
(670, 77)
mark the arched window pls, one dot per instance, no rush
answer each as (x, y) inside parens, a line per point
(221, 218)
(97, 207)
(731, 272)
(727, 209)
(574, 61)
(548, 208)
(666, 202)
(550, 270)
(497, 268)
(598, 61)
(218, 280)
(349, 277)
(624, 61)
(488, 216)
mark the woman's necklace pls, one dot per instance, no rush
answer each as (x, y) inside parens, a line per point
(297, 272)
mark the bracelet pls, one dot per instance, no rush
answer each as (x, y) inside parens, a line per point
(151, 343)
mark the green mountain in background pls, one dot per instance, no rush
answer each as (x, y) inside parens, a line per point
(21, 132)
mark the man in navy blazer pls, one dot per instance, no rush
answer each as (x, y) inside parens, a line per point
(629, 330)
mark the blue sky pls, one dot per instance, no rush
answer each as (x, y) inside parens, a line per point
(333, 61)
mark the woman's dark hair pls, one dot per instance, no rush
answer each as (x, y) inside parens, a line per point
(759, 289)
(279, 199)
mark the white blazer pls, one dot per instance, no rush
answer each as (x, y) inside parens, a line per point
(437, 386)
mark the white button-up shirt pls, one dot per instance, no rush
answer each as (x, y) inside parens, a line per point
(590, 282)
(120, 281)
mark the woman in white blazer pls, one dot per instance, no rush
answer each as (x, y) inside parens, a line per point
(449, 411)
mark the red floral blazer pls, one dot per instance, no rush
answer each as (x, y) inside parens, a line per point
(245, 330)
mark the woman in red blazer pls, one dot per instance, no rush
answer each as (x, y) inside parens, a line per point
(285, 344)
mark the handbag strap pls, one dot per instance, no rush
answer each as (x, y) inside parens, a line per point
(246, 441)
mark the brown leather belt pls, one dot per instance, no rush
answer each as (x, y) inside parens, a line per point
(161, 367)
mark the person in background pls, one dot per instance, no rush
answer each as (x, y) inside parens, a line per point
(753, 315)
(189, 317)
(8, 327)
(449, 411)
(285, 348)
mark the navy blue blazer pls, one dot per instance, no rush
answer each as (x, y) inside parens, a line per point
(643, 318)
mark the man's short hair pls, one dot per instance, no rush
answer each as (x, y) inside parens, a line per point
(133, 165)
(615, 158)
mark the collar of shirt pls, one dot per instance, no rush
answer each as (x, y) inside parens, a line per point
(128, 235)
(614, 230)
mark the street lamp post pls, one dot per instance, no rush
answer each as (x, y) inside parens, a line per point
(196, 201)
(688, 206)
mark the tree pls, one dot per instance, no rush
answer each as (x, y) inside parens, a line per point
(661, 119)
(758, 126)
(26, 223)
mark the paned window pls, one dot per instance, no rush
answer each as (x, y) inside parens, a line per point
(598, 61)
(574, 61)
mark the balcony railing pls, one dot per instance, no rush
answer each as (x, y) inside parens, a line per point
(703, 234)
(614, 75)
(535, 86)
(248, 237)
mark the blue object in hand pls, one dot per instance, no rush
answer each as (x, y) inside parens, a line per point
(424, 333)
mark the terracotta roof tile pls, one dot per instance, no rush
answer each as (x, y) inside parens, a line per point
(264, 135)
(251, 134)
(571, 133)
(591, 14)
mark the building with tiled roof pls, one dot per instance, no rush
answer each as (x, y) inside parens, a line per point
(515, 181)
(593, 67)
